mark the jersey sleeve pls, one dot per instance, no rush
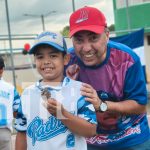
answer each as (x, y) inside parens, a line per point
(16, 101)
(20, 121)
(21, 118)
(86, 110)
(135, 84)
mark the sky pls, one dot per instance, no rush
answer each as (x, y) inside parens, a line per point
(21, 24)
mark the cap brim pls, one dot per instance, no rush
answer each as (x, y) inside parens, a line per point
(58, 47)
(92, 28)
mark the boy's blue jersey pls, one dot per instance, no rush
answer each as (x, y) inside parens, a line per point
(43, 130)
(120, 77)
(9, 103)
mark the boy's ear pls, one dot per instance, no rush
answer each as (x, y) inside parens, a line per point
(34, 59)
(66, 59)
(1, 71)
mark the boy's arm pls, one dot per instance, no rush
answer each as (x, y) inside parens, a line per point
(20, 125)
(21, 143)
(75, 124)
(78, 125)
(16, 103)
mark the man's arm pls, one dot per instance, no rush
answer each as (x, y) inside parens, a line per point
(21, 143)
(126, 107)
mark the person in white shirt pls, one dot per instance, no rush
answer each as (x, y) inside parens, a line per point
(55, 114)
(9, 104)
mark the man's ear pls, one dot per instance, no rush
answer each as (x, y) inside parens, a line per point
(107, 36)
(66, 59)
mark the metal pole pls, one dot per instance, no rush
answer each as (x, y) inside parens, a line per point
(128, 16)
(43, 23)
(73, 5)
(10, 43)
(41, 17)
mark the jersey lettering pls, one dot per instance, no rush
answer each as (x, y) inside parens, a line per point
(39, 131)
(3, 115)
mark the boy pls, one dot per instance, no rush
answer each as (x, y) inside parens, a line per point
(9, 103)
(65, 118)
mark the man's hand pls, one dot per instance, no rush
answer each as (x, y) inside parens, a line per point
(91, 95)
(73, 71)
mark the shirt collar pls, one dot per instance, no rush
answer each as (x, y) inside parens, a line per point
(65, 81)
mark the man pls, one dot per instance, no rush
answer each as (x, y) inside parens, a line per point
(9, 103)
(119, 91)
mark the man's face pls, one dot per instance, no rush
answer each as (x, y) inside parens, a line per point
(90, 47)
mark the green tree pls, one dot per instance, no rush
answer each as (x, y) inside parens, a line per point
(65, 31)
(111, 27)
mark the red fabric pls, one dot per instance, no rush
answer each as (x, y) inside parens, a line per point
(87, 18)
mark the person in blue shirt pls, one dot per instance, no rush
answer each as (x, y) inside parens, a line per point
(117, 85)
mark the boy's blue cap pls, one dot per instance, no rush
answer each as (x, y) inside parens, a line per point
(55, 40)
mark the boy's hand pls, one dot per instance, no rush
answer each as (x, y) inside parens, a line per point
(55, 108)
(73, 71)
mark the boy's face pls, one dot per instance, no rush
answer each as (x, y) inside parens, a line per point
(50, 63)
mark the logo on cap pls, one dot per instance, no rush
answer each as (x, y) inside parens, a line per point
(83, 16)
(55, 40)
(44, 34)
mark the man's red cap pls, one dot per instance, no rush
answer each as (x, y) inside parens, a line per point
(87, 18)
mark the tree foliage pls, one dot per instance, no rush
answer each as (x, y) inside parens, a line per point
(111, 27)
(65, 31)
